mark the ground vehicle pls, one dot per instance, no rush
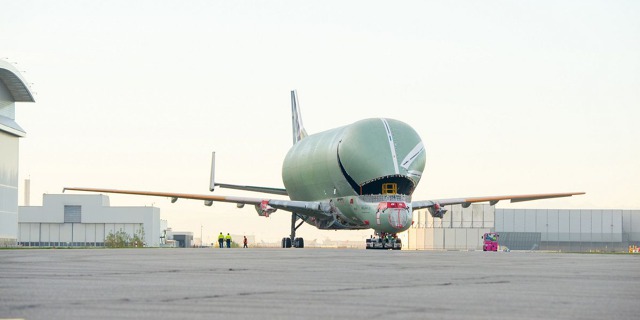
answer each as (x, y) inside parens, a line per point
(490, 241)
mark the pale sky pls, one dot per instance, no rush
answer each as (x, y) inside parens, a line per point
(509, 97)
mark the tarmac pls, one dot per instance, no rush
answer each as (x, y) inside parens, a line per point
(309, 283)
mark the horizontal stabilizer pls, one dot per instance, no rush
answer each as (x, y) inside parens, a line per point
(213, 184)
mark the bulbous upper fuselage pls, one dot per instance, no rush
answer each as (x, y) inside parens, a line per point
(370, 161)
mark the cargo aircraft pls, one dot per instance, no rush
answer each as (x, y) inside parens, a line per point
(359, 176)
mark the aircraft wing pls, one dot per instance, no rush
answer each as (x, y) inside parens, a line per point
(264, 206)
(279, 191)
(465, 202)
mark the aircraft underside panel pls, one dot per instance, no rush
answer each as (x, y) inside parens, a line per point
(332, 224)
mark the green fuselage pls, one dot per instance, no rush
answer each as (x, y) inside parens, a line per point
(364, 172)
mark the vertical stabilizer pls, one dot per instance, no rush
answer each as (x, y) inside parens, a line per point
(296, 119)
(212, 182)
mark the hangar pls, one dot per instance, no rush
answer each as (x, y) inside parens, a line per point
(574, 230)
(13, 88)
(84, 220)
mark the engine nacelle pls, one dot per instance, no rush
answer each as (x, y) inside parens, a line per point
(264, 209)
(437, 211)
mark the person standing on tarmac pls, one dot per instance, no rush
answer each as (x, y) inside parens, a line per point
(228, 238)
(244, 242)
(220, 239)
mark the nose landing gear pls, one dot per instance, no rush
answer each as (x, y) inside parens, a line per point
(383, 240)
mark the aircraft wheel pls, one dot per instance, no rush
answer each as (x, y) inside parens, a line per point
(286, 242)
(299, 243)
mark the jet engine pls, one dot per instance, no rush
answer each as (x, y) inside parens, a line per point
(264, 209)
(437, 211)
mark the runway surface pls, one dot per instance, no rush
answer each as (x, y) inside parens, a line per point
(315, 284)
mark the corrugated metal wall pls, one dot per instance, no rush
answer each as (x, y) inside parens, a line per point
(631, 226)
(71, 234)
(460, 229)
(527, 229)
(563, 230)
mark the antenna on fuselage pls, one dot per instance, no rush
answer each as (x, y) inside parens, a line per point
(296, 119)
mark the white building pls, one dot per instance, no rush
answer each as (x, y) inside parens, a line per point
(84, 220)
(182, 239)
(527, 229)
(568, 229)
(459, 229)
(13, 88)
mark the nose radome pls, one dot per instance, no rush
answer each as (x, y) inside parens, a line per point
(397, 214)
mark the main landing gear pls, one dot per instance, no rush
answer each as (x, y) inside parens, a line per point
(383, 240)
(292, 240)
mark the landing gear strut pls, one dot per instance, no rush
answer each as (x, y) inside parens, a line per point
(382, 240)
(292, 240)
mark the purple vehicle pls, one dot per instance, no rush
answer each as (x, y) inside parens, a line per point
(490, 241)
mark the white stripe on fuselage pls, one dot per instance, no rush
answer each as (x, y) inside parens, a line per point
(391, 145)
(413, 155)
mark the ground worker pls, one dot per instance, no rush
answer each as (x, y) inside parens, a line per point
(228, 238)
(244, 242)
(220, 239)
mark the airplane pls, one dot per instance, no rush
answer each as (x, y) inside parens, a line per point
(358, 176)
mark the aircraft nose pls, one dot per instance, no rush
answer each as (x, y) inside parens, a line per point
(396, 214)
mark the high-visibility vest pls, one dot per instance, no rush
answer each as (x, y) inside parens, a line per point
(228, 237)
(221, 237)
